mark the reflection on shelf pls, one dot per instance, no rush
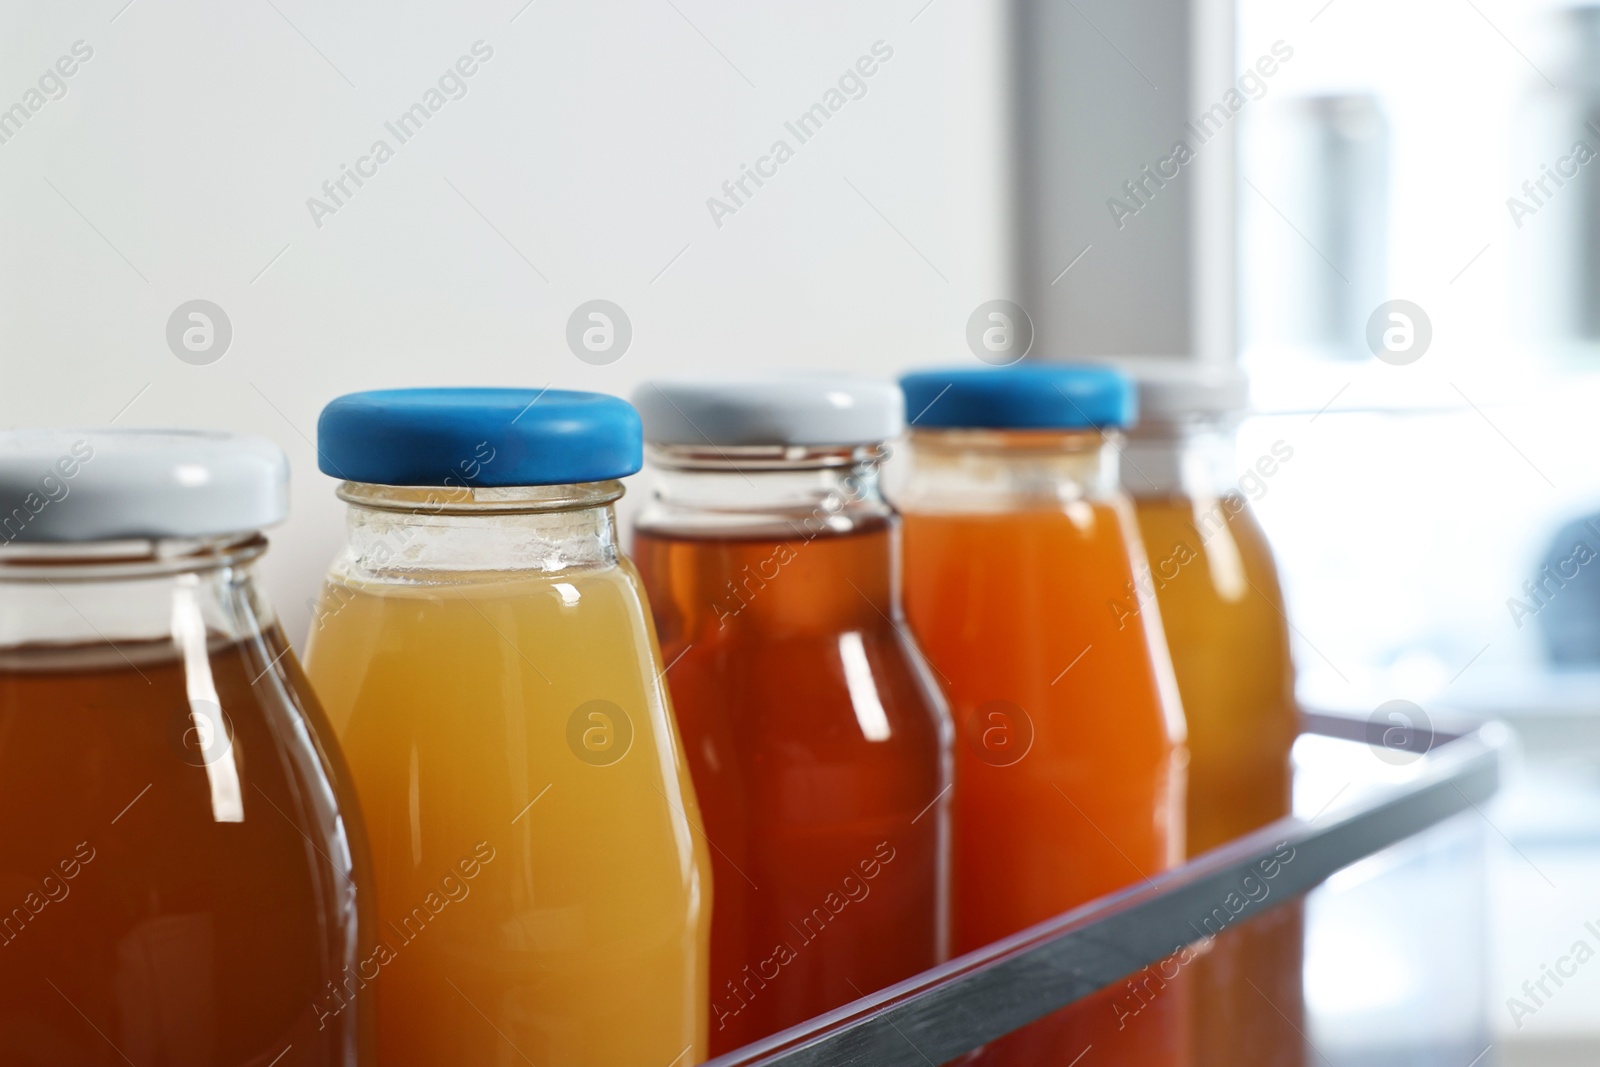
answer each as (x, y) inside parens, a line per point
(1394, 970)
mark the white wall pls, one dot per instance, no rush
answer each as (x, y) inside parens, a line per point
(179, 162)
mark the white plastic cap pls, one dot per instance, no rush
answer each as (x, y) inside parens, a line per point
(109, 485)
(1171, 390)
(795, 409)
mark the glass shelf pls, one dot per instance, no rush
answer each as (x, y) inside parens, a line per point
(1390, 797)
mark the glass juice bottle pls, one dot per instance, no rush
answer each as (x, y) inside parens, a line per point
(1069, 753)
(819, 745)
(184, 878)
(487, 657)
(1212, 573)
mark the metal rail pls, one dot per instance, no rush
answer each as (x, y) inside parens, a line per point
(961, 1005)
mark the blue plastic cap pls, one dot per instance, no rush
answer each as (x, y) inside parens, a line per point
(1029, 396)
(478, 437)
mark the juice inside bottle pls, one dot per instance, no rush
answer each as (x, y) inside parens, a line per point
(818, 743)
(452, 732)
(1223, 614)
(1069, 759)
(1213, 575)
(184, 876)
(196, 927)
(998, 601)
(488, 661)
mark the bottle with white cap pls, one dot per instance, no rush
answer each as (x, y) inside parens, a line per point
(184, 877)
(1212, 574)
(819, 744)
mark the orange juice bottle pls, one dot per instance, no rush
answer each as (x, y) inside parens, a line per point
(818, 740)
(1212, 573)
(489, 662)
(1069, 757)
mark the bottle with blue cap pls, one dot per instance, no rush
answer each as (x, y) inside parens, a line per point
(486, 655)
(1023, 565)
(184, 876)
(818, 740)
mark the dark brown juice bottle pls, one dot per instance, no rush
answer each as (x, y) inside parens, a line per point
(183, 879)
(818, 744)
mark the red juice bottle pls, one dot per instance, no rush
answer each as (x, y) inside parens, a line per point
(820, 748)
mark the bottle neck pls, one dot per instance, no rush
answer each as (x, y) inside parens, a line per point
(795, 540)
(1191, 459)
(780, 492)
(1007, 470)
(410, 534)
(132, 601)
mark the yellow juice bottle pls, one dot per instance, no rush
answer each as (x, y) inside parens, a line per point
(488, 661)
(1212, 576)
(1230, 650)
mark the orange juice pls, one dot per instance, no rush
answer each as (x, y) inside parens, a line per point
(991, 599)
(1069, 762)
(488, 661)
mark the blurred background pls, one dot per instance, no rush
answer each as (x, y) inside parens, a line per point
(1203, 179)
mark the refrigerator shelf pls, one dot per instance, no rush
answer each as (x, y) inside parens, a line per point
(961, 1005)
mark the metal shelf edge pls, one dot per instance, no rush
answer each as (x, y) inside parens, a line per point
(974, 999)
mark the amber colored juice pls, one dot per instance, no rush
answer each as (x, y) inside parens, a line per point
(818, 753)
(1069, 757)
(543, 888)
(164, 904)
(1213, 575)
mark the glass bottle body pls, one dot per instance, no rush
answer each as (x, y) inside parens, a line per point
(1070, 757)
(185, 870)
(819, 744)
(543, 883)
(1213, 574)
